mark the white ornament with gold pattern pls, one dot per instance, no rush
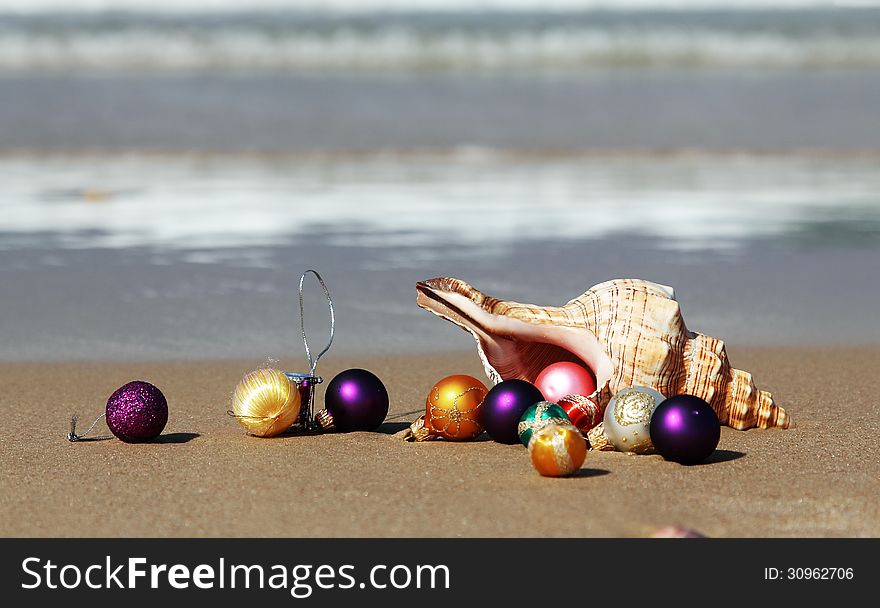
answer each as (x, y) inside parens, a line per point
(628, 418)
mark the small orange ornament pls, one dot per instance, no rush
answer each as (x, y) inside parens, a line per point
(452, 406)
(557, 450)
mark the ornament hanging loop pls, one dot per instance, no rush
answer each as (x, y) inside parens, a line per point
(72, 436)
(306, 383)
(313, 363)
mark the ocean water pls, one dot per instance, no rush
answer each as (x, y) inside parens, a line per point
(168, 169)
(175, 256)
(435, 36)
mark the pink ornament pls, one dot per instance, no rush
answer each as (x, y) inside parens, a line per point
(565, 378)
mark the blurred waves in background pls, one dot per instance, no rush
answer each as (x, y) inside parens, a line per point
(168, 168)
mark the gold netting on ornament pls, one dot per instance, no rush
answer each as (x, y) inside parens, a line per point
(453, 415)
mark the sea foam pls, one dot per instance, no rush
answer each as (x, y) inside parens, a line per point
(424, 41)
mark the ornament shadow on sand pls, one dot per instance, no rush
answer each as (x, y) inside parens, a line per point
(164, 438)
(629, 332)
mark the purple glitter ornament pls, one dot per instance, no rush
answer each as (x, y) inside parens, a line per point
(685, 429)
(356, 400)
(504, 406)
(137, 412)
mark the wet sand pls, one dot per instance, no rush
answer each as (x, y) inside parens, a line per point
(206, 477)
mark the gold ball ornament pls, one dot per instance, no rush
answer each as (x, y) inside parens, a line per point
(266, 403)
(452, 408)
(557, 450)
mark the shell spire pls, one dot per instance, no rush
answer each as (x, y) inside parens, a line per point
(629, 332)
(731, 392)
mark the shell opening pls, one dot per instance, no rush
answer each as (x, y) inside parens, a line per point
(513, 348)
(526, 351)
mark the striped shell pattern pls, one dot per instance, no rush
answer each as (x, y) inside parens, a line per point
(629, 332)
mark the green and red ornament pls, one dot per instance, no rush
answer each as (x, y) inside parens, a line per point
(538, 416)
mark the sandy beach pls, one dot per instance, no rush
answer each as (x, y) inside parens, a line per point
(169, 168)
(206, 478)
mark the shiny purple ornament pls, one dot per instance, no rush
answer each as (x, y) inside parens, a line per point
(685, 429)
(137, 412)
(504, 405)
(357, 400)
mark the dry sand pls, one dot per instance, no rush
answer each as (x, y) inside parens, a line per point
(205, 477)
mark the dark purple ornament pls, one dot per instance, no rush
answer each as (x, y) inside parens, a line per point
(137, 412)
(685, 429)
(357, 400)
(504, 406)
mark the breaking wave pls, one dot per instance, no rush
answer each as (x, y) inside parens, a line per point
(441, 42)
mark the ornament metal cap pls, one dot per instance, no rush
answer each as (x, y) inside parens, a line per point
(325, 420)
(305, 384)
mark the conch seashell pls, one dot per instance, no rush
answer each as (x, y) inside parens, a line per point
(628, 331)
